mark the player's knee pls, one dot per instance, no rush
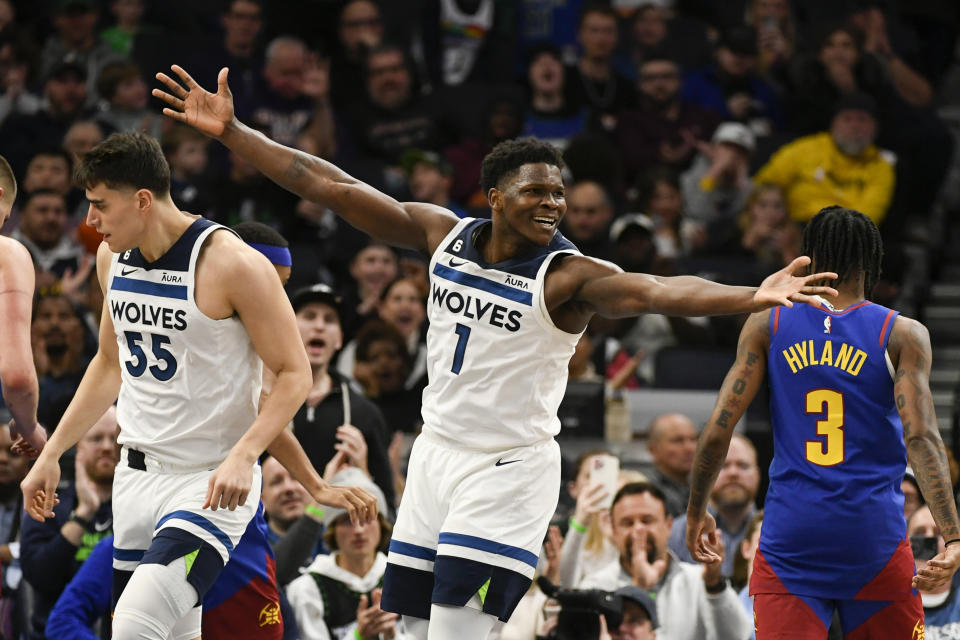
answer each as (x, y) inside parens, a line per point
(132, 624)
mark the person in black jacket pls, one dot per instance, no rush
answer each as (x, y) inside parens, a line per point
(336, 417)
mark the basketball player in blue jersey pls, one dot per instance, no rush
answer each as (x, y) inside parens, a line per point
(18, 377)
(190, 312)
(509, 300)
(848, 388)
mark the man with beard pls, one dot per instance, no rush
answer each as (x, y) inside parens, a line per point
(53, 550)
(664, 129)
(42, 230)
(732, 502)
(692, 603)
(841, 166)
(58, 350)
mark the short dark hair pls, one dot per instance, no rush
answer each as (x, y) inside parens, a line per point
(113, 75)
(508, 156)
(260, 233)
(637, 488)
(602, 8)
(846, 242)
(377, 331)
(53, 152)
(36, 193)
(125, 160)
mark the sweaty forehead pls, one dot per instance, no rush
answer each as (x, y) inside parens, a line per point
(537, 173)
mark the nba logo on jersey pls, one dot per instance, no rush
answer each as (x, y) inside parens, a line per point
(826, 324)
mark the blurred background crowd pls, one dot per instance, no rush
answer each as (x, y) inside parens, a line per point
(698, 135)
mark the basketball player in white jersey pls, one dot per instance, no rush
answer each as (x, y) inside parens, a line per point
(18, 377)
(190, 312)
(509, 299)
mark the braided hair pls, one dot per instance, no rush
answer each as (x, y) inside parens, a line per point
(846, 242)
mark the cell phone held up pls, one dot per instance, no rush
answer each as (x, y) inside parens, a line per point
(604, 470)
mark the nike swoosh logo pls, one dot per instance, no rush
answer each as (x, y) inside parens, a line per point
(125, 272)
(500, 462)
(454, 263)
(102, 526)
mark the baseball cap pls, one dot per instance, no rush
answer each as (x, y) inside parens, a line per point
(319, 292)
(642, 598)
(69, 66)
(353, 477)
(630, 221)
(413, 157)
(735, 133)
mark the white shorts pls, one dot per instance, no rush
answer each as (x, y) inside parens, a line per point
(147, 502)
(487, 509)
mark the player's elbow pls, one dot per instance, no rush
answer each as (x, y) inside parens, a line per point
(18, 380)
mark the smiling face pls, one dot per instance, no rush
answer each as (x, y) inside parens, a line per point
(531, 203)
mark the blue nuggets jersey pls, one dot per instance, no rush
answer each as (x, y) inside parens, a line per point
(834, 510)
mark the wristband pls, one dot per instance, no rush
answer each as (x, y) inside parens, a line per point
(576, 526)
(949, 542)
(356, 632)
(83, 522)
(714, 589)
(314, 510)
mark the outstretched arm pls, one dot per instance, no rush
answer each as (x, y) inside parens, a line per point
(414, 226)
(17, 373)
(909, 347)
(738, 390)
(615, 294)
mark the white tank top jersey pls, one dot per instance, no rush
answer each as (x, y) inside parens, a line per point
(497, 364)
(190, 383)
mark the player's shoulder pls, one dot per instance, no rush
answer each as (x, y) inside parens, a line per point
(13, 254)
(906, 329)
(224, 251)
(580, 267)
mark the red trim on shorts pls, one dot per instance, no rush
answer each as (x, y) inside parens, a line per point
(764, 579)
(783, 616)
(901, 618)
(252, 613)
(776, 319)
(886, 321)
(894, 580)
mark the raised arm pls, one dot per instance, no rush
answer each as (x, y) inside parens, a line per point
(413, 226)
(615, 294)
(738, 390)
(909, 348)
(18, 377)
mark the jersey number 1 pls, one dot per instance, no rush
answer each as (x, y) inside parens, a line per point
(463, 334)
(830, 452)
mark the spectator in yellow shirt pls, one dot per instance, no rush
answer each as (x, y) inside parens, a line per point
(837, 167)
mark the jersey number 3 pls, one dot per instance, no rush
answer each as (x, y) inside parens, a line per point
(138, 364)
(830, 452)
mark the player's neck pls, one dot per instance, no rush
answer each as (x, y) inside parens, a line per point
(497, 244)
(848, 296)
(164, 227)
(356, 564)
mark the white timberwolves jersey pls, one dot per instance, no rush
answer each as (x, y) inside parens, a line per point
(497, 364)
(190, 383)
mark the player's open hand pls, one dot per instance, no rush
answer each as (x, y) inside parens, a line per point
(939, 571)
(359, 505)
(229, 485)
(703, 539)
(785, 288)
(207, 112)
(40, 488)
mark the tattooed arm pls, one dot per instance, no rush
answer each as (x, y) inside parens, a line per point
(738, 390)
(909, 349)
(412, 225)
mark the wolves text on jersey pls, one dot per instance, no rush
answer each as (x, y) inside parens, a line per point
(149, 315)
(475, 309)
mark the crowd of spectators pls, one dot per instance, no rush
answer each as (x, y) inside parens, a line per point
(698, 138)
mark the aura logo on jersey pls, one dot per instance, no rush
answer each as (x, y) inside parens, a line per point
(149, 315)
(475, 309)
